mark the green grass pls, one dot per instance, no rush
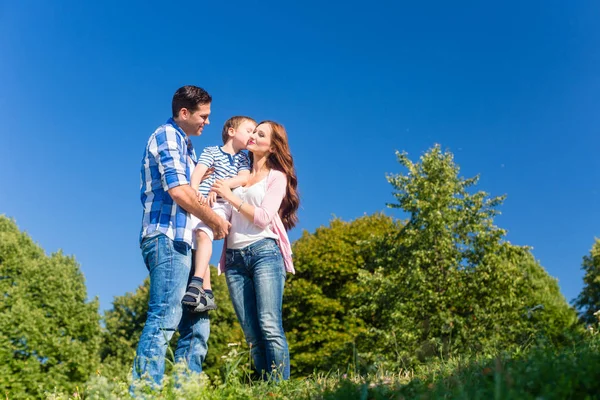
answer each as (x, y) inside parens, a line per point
(540, 372)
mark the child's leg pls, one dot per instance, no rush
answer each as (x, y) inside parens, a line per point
(194, 294)
(204, 260)
(206, 278)
(203, 253)
(224, 211)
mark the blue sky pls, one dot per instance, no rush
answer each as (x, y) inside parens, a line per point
(512, 88)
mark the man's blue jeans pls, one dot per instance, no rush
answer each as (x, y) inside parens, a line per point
(169, 264)
(255, 278)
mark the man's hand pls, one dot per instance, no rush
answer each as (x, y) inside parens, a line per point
(221, 230)
(189, 200)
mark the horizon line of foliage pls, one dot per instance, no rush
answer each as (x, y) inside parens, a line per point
(369, 294)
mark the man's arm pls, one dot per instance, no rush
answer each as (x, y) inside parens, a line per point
(186, 198)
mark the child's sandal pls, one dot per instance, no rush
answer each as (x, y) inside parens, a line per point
(193, 294)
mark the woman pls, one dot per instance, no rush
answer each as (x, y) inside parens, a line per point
(258, 251)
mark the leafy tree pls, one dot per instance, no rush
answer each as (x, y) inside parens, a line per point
(123, 327)
(125, 321)
(588, 301)
(321, 331)
(447, 282)
(49, 333)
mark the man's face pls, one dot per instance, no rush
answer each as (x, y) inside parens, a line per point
(192, 122)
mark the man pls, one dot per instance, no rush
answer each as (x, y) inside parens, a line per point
(166, 237)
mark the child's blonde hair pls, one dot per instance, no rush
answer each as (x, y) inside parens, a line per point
(234, 123)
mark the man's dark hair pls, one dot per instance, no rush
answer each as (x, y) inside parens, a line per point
(190, 97)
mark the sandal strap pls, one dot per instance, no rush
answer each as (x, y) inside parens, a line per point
(197, 286)
(195, 296)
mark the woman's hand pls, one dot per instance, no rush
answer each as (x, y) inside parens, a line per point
(222, 189)
(212, 198)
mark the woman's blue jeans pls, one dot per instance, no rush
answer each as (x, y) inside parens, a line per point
(255, 278)
(169, 264)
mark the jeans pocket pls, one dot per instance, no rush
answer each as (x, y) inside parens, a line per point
(229, 259)
(150, 251)
(270, 248)
(181, 247)
(269, 256)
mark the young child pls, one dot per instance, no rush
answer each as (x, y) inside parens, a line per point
(233, 166)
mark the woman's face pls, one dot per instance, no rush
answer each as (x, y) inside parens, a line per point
(260, 140)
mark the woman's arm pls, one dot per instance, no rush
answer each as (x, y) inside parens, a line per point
(262, 215)
(239, 180)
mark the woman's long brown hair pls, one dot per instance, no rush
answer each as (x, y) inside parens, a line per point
(281, 159)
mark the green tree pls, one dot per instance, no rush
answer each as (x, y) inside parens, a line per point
(588, 301)
(49, 333)
(447, 282)
(321, 331)
(123, 325)
(125, 321)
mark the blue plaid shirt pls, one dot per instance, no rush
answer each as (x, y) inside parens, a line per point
(168, 161)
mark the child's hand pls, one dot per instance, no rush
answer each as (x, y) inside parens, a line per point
(212, 198)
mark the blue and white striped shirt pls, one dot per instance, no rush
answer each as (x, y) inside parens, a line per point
(226, 165)
(168, 161)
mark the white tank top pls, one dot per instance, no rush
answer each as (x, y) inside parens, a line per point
(243, 232)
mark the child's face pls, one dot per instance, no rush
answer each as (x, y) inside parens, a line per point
(242, 134)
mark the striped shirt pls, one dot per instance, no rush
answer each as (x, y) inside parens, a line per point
(168, 161)
(226, 165)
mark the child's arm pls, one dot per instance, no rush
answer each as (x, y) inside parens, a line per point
(198, 175)
(242, 164)
(203, 169)
(239, 180)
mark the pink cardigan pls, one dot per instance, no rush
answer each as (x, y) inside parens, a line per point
(267, 214)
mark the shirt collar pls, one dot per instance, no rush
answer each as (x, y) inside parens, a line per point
(188, 142)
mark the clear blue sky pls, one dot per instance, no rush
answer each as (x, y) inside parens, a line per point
(512, 88)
